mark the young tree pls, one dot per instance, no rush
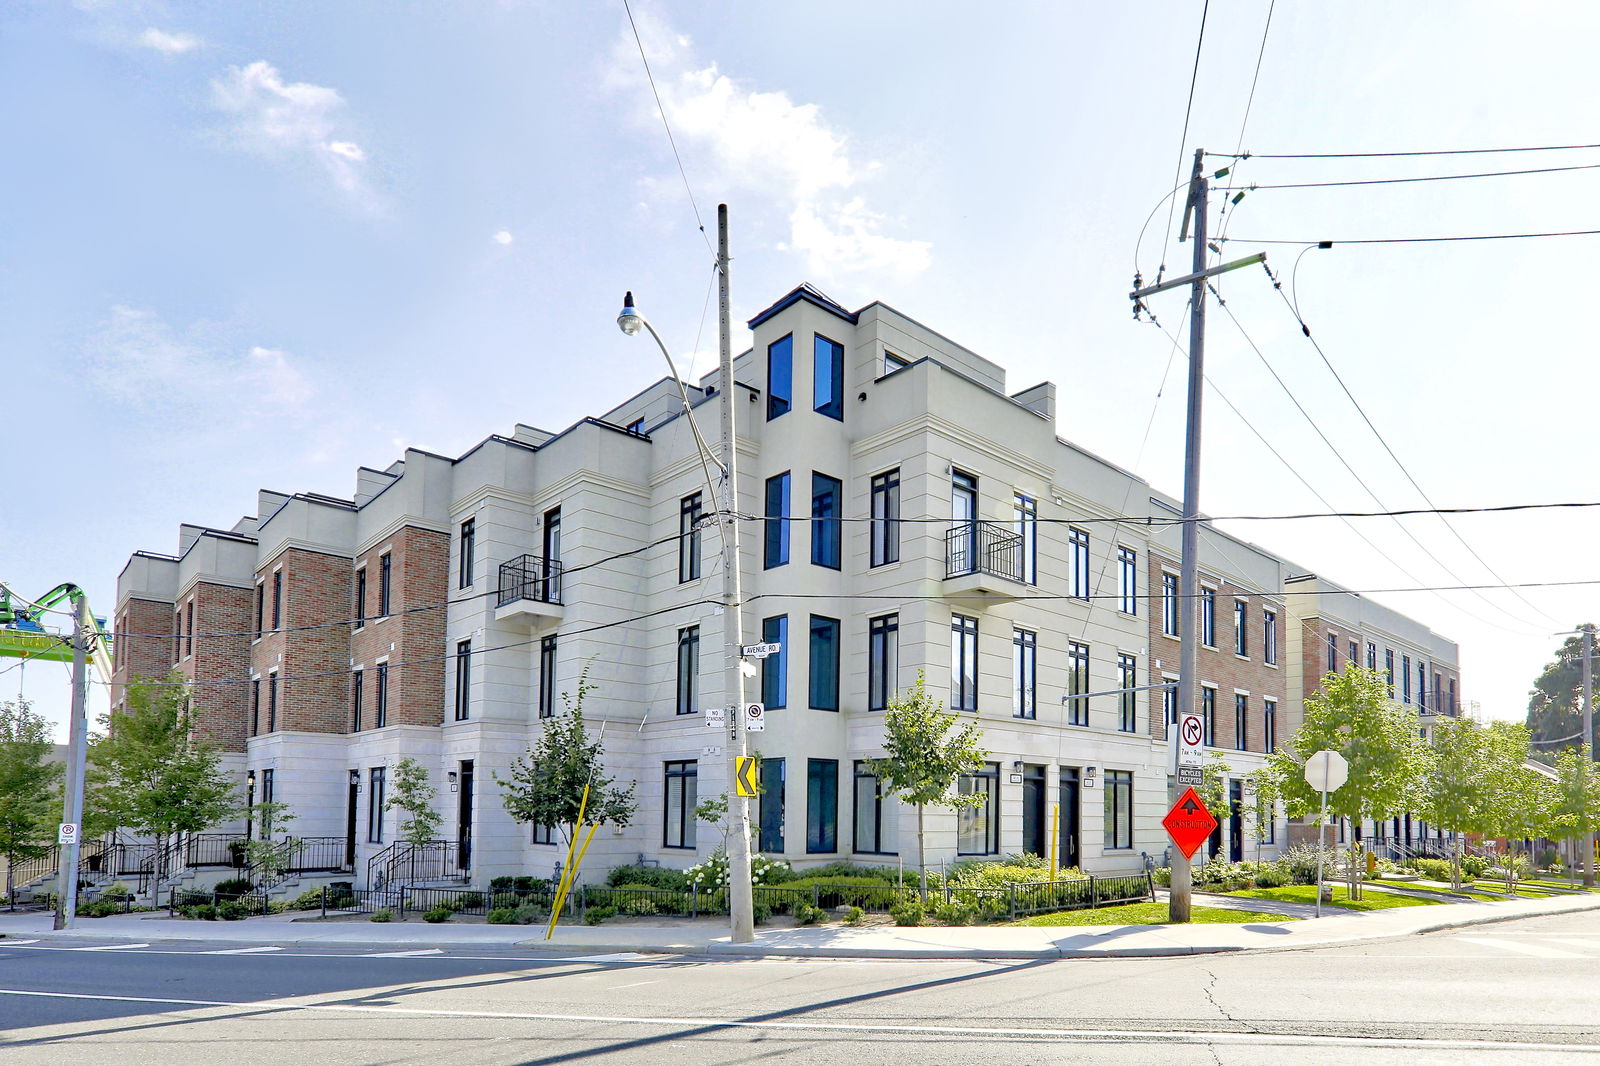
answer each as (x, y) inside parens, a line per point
(924, 758)
(1578, 803)
(1213, 790)
(1518, 801)
(413, 797)
(1263, 809)
(149, 773)
(1451, 790)
(29, 788)
(1351, 714)
(267, 858)
(544, 786)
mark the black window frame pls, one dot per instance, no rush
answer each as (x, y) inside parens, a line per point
(1269, 724)
(377, 793)
(1077, 683)
(963, 655)
(885, 518)
(1208, 616)
(1208, 715)
(775, 667)
(547, 676)
(356, 683)
(468, 552)
(869, 808)
(1025, 517)
(827, 529)
(967, 784)
(833, 407)
(679, 824)
(277, 600)
(822, 806)
(687, 689)
(1269, 636)
(1127, 580)
(1025, 673)
(780, 401)
(775, 527)
(822, 679)
(463, 705)
(1241, 626)
(1127, 699)
(883, 660)
(1117, 831)
(1170, 619)
(771, 811)
(1078, 549)
(380, 701)
(691, 509)
(361, 596)
(1241, 721)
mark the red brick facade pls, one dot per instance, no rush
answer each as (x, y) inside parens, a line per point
(1219, 667)
(139, 651)
(313, 694)
(411, 640)
(215, 647)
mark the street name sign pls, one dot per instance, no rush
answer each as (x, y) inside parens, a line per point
(744, 775)
(761, 651)
(1188, 823)
(1191, 740)
(1326, 771)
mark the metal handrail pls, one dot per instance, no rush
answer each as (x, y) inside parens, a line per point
(975, 547)
(530, 577)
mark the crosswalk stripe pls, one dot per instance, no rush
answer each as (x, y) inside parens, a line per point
(402, 954)
(1538, 951)
(241, 951)
(110, 947)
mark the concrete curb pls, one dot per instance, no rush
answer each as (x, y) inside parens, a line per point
(1384, 925)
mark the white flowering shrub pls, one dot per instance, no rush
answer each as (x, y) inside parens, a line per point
(713, 873)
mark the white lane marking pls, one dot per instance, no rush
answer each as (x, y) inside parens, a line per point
(1073, 1035)
(240, 951)
(15, 943)
(402, 954)
(1538, 951)
(634, 984)
(620, 956)
(630, 958)
(110, 947)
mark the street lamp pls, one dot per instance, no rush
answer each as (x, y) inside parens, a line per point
(735, 668)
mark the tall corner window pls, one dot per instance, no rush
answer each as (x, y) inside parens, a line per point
(775, 667)
(261, 610)
(272, 703)
(775, 529)
(771, 814)
(827, 548)
(1269, 726)
(1208, 715)
(1169, 604)
(1333, 652)
(355, 700)
(690, 511)
(380, 702)
(824, 680)
(1025, 673)
(963, 663)
(551, 575)
(361, 597)
(822, 806)
(877, 814)
(376, 798)
(1269, 637)
(1241, 721)
(828, 377)
(469, 545)
(688, 688)
(780, 376)
(1208, 617)
(463, 679)
(277, 599)
(886, 518)
(1241, 627)
(883, 661)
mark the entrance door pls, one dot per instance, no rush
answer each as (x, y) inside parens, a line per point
(1035, 831)
(1069, 798)
(464, 817)
(1235, 821)
(353, 791)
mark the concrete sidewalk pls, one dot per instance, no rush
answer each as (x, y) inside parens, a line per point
(879, 941)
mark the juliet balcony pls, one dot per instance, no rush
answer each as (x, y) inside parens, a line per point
(985, 561)
(530, 589)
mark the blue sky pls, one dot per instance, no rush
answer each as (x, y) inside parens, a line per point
(257, 245)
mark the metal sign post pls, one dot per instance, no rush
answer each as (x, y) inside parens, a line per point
(1325, 772)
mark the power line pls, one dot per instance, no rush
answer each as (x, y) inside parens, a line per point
(1238, 594)
(1403, 181)
(1226, 215)
(1328, 243)
(1306, 330)
(1340, 456)
(1391, 155)
(667, 126)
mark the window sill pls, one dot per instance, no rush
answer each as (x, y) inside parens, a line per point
(1270, 666)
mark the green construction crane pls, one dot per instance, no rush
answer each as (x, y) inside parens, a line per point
(23, 635)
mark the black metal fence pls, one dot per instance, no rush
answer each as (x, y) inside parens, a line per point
(530, 577)
(983, 547)
(403, 863)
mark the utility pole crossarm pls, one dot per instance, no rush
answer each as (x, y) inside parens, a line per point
(1199, 275)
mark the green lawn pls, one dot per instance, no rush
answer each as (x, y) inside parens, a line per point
(1550, 882)
(1441, 891)
(1525, 889)
(1147, 914)
(1371, 901)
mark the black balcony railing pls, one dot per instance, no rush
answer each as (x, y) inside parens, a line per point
(983, 548)
(214, 849)
(404, 863)
(530, 577)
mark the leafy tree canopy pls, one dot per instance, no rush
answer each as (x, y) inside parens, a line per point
(29, 785)
(1555, 705)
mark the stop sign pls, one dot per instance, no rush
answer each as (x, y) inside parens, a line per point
(1326, 771)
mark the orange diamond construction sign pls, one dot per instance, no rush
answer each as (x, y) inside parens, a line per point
(1189, 823)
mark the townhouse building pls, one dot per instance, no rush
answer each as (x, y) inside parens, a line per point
(906, 515)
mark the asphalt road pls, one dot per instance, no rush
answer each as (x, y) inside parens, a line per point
(1513, 992)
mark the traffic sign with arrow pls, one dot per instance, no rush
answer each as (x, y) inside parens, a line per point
(1188, 823)
(744, 775)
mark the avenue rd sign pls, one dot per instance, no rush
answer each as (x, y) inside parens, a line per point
(1188, 823)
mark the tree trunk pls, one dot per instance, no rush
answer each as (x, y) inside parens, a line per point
(11, 890)
(1455, 866)
(922, 856)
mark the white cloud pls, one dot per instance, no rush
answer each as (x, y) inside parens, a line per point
(770, 145)
(172, 44)
(290, 121)
(136, 359)
(503, 237)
